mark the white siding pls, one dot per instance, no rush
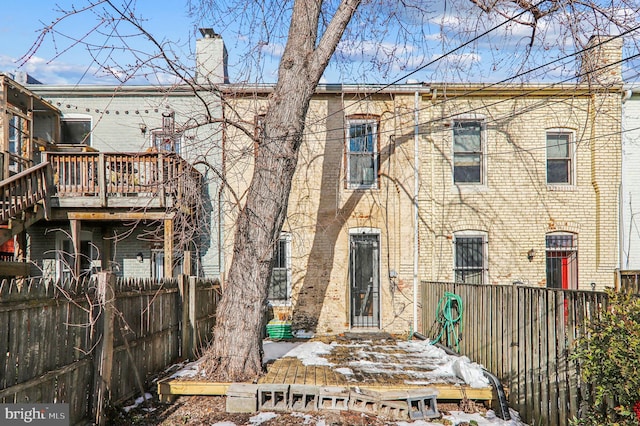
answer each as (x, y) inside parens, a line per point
(630, 193)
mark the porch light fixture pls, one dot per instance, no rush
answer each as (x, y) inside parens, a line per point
(143, 128)
(530, 254)
(140, 257)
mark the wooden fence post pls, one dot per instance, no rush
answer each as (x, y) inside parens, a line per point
(104, 356)
(193, 324)
(183, 285)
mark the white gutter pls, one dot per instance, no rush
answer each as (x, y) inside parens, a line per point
(416, 181)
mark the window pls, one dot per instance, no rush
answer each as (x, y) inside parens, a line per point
(166, 139)
(157, 264)
(362, 154)
(470, 259)
(280, 288)
(562, 261)
(467, 151)
(76, 129)
(559, 156)
(166, 142)
(15, 135)
(88, 257)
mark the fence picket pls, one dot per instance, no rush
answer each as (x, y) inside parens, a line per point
(525, 335)
(39, 368)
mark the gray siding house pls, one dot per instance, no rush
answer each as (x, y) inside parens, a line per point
(133, 184)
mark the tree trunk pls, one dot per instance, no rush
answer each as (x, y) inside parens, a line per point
(236, 353)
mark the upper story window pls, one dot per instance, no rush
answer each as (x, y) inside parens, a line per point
(468, 152)
(560, 157)
(75, 129)
(280, 287)
(562, 261)
(362, 153)
(470, 258)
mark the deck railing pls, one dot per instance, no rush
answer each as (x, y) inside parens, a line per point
(105, 175)
(24, 190)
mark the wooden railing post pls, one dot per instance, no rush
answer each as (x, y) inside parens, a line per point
(161, 181)
(104, 357)
(102, 180)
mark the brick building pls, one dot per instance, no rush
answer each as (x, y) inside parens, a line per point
(513, 184)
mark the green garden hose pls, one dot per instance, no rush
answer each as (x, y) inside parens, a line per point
(449, 319)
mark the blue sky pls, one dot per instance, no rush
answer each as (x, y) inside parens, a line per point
(24, 19)
(491, 58)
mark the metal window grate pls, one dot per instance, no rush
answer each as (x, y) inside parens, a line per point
(279, 288)
(469, 260)
(562, 261)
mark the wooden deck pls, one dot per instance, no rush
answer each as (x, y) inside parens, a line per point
(377, 366)
(292, 371)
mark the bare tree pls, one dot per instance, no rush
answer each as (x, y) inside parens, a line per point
(316, 29)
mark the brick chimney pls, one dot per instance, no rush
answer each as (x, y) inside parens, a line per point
(211, 58)
(601, 61)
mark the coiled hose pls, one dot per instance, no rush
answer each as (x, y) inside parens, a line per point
(449, 320)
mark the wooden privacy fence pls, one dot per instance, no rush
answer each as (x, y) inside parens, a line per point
(97, 341)
(524, 336)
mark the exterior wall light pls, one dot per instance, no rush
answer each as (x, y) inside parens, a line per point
(140, 257)
(530, 254)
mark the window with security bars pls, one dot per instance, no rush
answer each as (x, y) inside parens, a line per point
(467, 152)
(562, 261)
(362, 154)
(559, 156)
(279, 288)
(470, 264)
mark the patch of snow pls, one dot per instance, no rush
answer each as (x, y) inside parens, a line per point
(260, 418)
(457, 417)
(344, 371)
(470, 372)
(309, 353)
(303, 334)
(224, 424)
(189, 370)
(275, 350)
(137, 402)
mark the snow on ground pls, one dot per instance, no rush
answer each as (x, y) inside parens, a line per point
(441, 366)
(455, 417)
(189, 370)
(310, 353)
(275, 350)
(423, 362)
(137, 402)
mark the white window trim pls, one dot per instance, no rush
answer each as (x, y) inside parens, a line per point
(572, 157)
(376, 154)
(473, 186)
(485, 251)
(61, 237)
(286, 236)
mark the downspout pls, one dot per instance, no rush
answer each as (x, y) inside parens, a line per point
(416, 181)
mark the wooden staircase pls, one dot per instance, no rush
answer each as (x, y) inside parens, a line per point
(24, 200)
